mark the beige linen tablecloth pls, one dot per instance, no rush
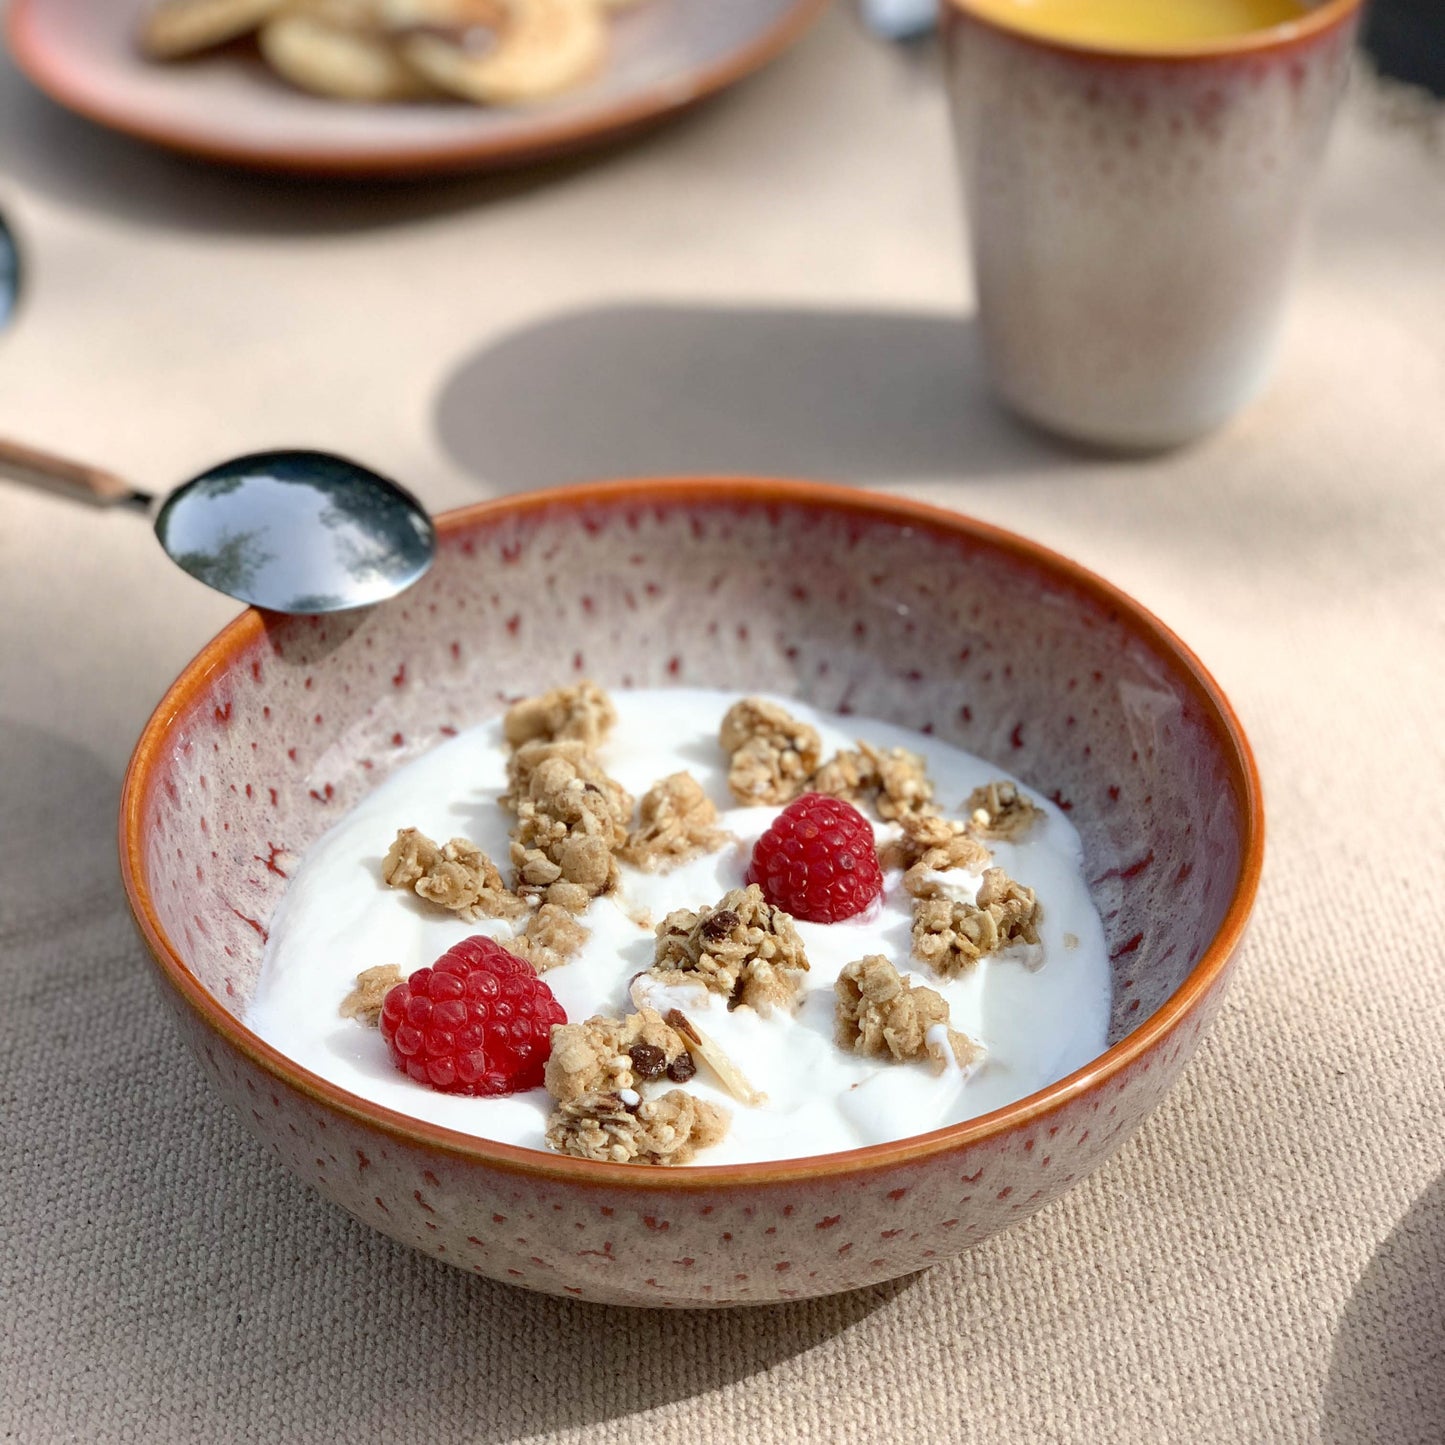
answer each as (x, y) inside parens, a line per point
(773, 284)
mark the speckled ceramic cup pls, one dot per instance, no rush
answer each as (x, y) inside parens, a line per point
(1133, 218)
(852, 602)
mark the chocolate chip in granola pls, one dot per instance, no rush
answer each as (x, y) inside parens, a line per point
(682, 1068)
(719, 925)
(648, 1061)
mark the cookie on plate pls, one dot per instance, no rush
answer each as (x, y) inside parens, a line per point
(540, 48)
(182, 27)
(337, 48)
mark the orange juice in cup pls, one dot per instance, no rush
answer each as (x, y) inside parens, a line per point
(1136, 174)
(1141, 24)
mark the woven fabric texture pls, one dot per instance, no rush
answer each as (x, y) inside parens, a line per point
(775, 284)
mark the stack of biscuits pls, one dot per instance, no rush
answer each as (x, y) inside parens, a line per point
(491, 52)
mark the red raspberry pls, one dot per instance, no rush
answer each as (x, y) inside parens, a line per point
(817, 861)
(478, 1021)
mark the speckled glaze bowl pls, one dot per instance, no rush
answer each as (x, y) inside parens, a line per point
(1134, 218)
(849, 600)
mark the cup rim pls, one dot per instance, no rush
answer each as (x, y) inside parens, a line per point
(1119, 1059)
(1270, 38)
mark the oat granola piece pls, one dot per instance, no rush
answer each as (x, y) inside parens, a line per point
(881, 1014)
(742, 947)
(582, 713)
(571, 819)
(773, 754)
(618, 1128)
(846, 775)
(530, 757)
(606, 1054)
(677, 821)
(551, 937)
(372, 986)
(456, 875)
(952, 936)
(929, 844)
(1000, 810)
(893, 781)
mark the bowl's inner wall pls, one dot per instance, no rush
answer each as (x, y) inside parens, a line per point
(850, 611)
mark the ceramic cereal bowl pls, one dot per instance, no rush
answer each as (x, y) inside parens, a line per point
(851, 601)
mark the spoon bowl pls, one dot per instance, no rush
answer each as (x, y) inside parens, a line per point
(9, 274)
(290, 531)
(297, 531)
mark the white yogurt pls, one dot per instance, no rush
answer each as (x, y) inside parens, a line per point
(1041, 1011)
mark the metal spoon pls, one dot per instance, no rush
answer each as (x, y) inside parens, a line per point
(292, 531)
(9, 274)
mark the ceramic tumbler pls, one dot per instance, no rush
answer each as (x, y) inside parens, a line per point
(1134, 218)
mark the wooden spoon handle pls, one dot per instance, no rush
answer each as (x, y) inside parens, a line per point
(60, 474)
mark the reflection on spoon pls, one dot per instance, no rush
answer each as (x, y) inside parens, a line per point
(291, 531)
(297, 531)
(9, 274)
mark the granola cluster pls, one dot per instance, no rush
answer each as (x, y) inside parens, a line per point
(571, 820)
(372, 986)
(772, 755)
(952, 936)
(775, 757)
(604, 1055)
(598, 1070)
(455, 875)
(880, 1014)
(931, 844)
(582, 713)
(572, 826)
(893, 781)
(1000, 811)
(551, 937)
(677, 821)
(619, 1127)
(742, 947)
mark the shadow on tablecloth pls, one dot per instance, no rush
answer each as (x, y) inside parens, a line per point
(165, 1278)
(1387, 1372)
(651, 390)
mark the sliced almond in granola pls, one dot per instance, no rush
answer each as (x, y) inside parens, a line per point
(711, 1053)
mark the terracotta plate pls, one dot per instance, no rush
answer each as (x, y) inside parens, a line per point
(666, 55)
